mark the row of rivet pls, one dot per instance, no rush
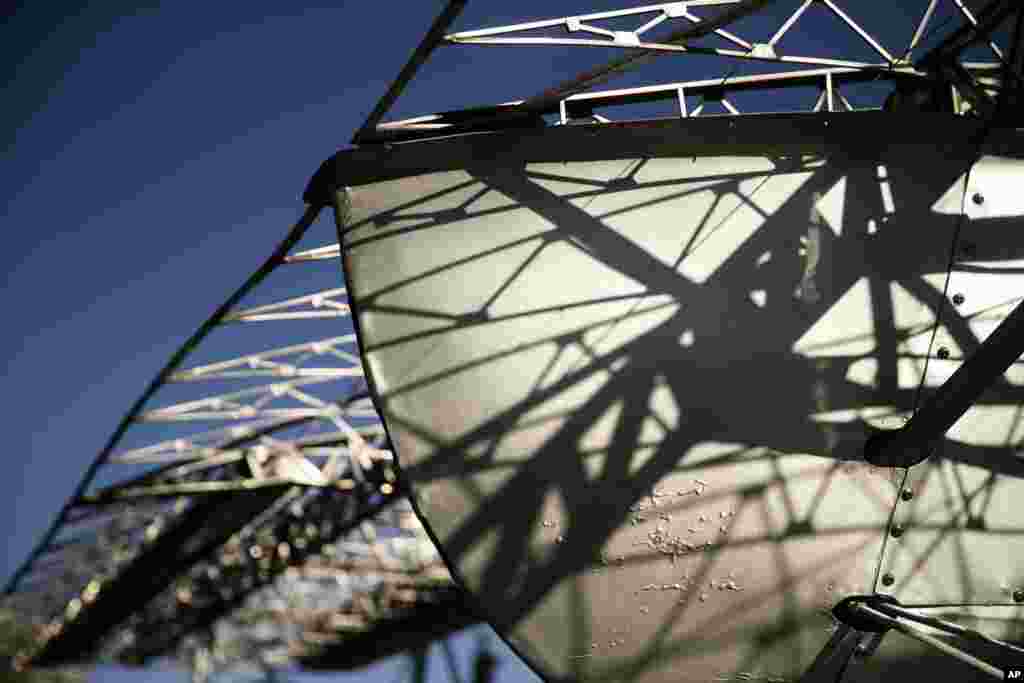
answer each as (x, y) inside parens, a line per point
(906, 494)
(967, 249)
(897, 530)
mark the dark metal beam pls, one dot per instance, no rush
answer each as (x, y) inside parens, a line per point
(433, 38)
(916, 440)
(158, 637)
(418, 627)
(943, 61)
(1011, 96)
(200, 530)
(989, 18)
(967, 35)
(969, 88)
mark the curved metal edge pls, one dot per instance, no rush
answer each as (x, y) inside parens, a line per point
(792, 133)
(342, 203)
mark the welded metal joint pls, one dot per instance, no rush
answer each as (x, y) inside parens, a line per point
(848, 611)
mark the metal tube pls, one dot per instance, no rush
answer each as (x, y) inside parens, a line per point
(974, 22)
(786, 25)
(1010, 99)
(920, 28)
(988, 20)
(859, 31)
(914, 441)
(430, 41)
(907, 630)
(949, 626)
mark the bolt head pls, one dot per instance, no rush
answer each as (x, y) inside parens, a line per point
(978, 198)
(888, 579)
(897, 530)
(943, 352)
(907, 494)
(958, 299)
(1018, 595)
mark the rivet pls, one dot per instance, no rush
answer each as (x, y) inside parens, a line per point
(888, 579)
(907, 494)
(1018, 595)
(897, 530)
(978, 198)
(943, 352)
(958, 299)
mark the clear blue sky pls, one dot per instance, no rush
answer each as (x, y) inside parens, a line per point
(154, 154)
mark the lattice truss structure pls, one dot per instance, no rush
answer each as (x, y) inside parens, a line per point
(954, 56)
(246, 511)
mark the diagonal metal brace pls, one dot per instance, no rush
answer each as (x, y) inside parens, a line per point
(430, 41)
(917, 439)
(988, 20)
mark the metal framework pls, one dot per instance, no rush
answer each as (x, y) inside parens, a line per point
(228, 493)
(931, 63)
(265, 471)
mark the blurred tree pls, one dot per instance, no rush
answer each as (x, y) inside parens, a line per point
(15, 637)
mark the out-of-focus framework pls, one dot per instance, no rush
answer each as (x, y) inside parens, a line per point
(247, 512)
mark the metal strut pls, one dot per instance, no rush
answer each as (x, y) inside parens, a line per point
(877, 614)
(430, 41)
(906, 627)
(917, 439)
